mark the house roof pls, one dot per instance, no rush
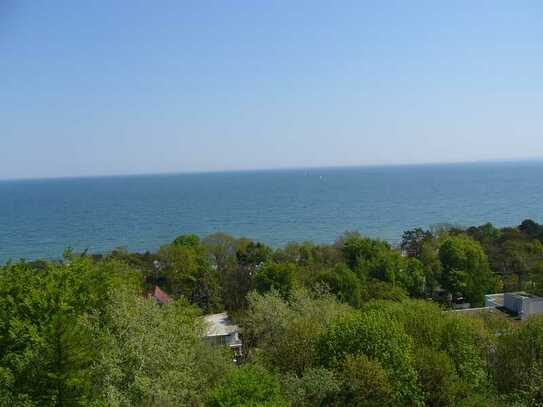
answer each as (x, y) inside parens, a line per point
(219, 325)
(525, 295)
(160, 296)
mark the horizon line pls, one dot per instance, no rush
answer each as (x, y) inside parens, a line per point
(269, 169)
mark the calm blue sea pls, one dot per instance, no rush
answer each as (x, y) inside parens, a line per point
(40, 218)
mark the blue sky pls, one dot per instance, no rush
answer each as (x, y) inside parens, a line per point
(120, 87)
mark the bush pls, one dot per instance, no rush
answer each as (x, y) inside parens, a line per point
(380, 338)
(286, 333)
(438, 377)
(316, 387)
(365, 383)
(248, 386)
(520, 361)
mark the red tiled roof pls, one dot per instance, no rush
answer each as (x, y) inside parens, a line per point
(160, 296)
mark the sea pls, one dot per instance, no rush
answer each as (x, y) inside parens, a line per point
(41, 218)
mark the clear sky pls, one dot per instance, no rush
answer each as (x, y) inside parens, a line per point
(119, 87)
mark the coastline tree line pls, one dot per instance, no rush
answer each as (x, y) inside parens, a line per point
(354, 323)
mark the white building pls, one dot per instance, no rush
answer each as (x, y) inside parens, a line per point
(221, 331)
(519, 303)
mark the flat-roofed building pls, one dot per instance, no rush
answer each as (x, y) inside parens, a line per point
(519, 303)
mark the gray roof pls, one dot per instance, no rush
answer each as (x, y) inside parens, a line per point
(525, 295)
(219, 325)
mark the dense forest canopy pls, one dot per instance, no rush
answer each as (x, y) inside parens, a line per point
(354, 323)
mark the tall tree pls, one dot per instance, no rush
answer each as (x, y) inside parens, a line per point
(153, 355)
(46, 348)
(185, 265)
(343, 283)
(465, 269)
(279, 277)
(412, 241)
